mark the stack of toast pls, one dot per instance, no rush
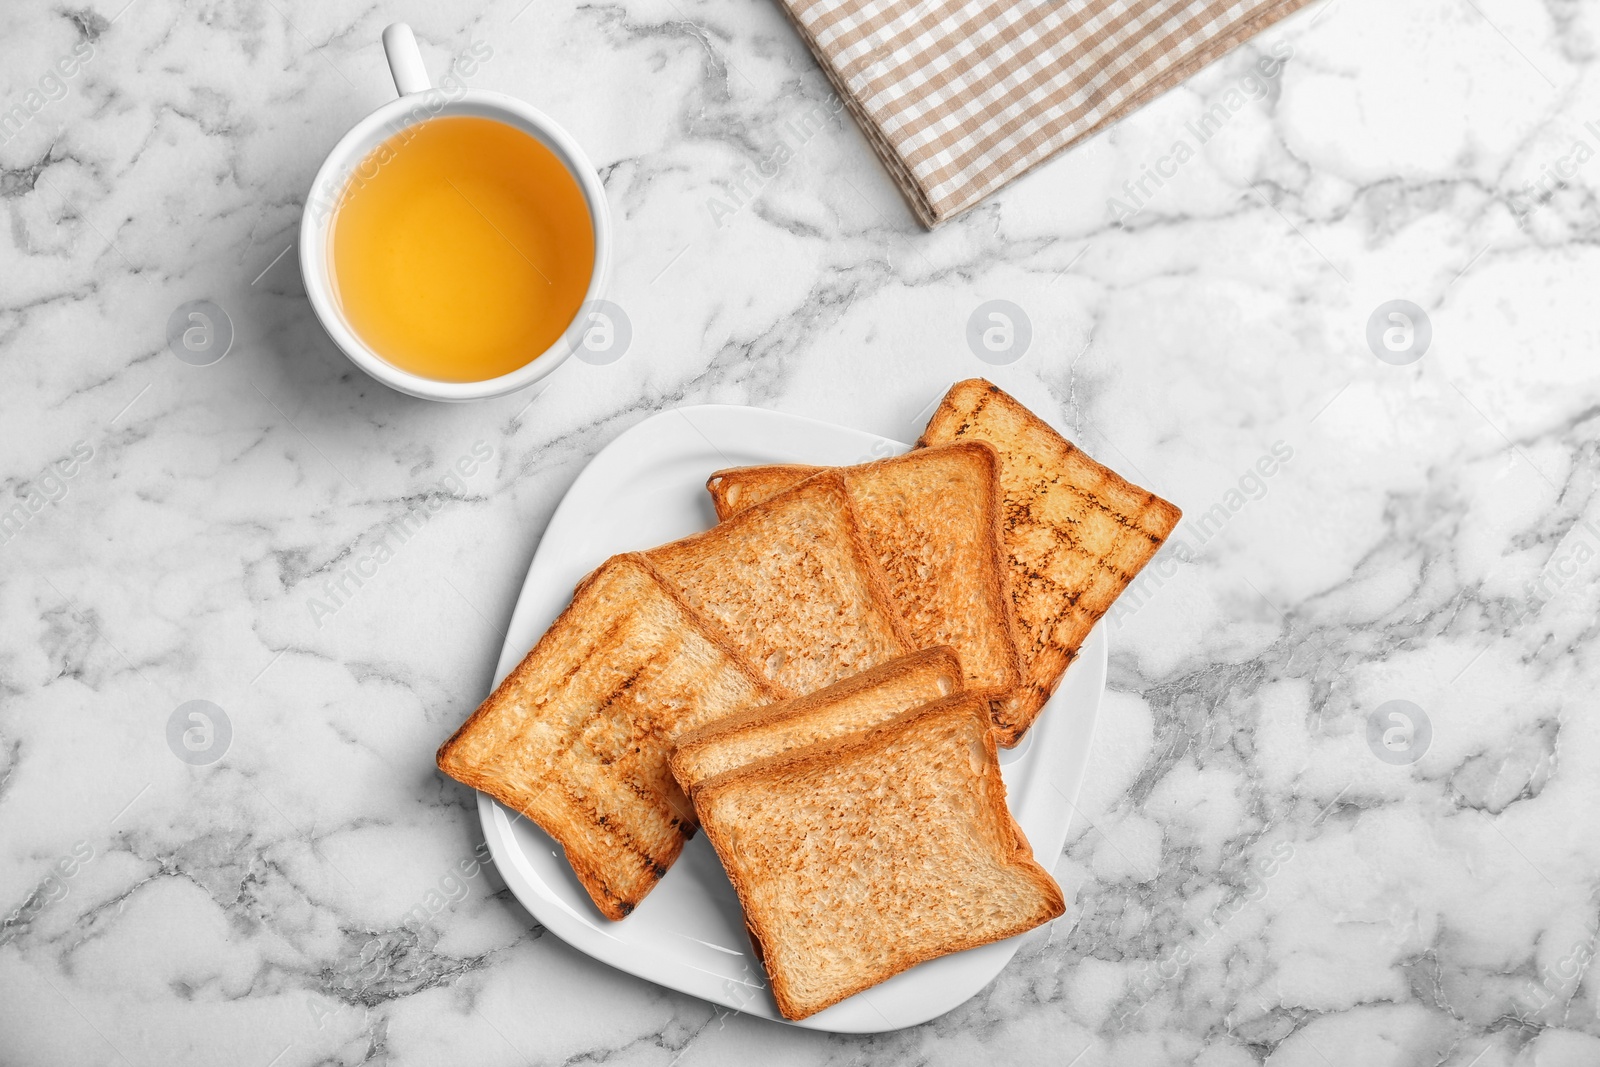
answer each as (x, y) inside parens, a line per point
(821, 681)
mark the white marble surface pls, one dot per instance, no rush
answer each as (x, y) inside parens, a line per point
(1248, 882)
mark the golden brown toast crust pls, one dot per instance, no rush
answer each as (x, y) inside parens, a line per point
(578, 735)
(933, 517)
(1075, 533)
(737, 488)
(860, 857)
(792, 585)
(856, 703)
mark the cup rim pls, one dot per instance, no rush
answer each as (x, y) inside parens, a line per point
(357, 142)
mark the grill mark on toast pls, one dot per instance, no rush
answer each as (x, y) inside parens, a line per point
(628, 777)
(659, 802)
(611, 638)
(623, 636)
(969, 421)
(597, 881)
(583, 803)
(1092, 503)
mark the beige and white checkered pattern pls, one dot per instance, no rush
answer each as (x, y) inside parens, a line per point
(959, 97)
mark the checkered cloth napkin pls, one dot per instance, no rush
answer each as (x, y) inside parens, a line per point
(959, 97)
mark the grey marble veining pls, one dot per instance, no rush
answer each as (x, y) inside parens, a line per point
(1267, 864)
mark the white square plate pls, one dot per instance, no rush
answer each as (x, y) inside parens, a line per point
(648, 487)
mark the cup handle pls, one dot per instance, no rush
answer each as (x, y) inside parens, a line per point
(405, 62)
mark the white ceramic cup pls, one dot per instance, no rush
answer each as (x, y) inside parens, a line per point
(419, 103)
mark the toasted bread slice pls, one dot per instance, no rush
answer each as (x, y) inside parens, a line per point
(859, 857)
(736, 488)
(1076, 533)
(793, 587)
(933, 518)
(858, 703)
(577, 736)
